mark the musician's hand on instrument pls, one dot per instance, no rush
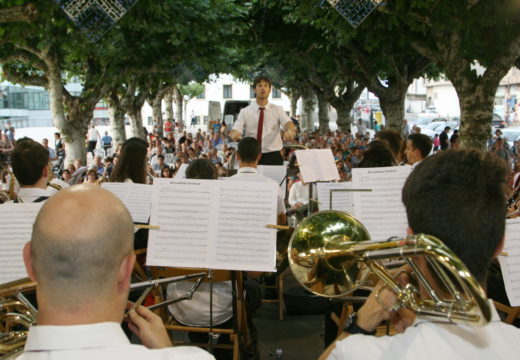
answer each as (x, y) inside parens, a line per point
(149, 327)
(402, 319)
(377, 307)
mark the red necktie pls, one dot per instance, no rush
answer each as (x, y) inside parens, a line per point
(260, 128)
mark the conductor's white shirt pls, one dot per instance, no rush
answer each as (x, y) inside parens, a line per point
(274, 118)
(434, 341)
(96, 341)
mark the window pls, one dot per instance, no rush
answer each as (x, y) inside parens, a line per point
(150, 120)
(228, 91)
(251, 92)
(277, 94)
(206, 120)
(202, 95)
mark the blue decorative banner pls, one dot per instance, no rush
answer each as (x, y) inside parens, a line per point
(95, 17)
(355, 11)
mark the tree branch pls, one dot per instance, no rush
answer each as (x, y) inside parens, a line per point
(23, 13)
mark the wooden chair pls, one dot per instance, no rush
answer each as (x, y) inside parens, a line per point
(237, 334)
(512, 313)
(279, 286)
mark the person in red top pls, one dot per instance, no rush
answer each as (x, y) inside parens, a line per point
(168, 127)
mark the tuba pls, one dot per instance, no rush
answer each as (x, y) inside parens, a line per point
(330, 254)
(17, 314)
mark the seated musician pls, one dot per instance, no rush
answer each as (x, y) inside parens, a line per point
(81, 257)
(468, 188)
(29, 161)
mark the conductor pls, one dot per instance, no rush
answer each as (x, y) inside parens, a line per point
(264, 121)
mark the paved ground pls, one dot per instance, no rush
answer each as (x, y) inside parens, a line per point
(299, 336)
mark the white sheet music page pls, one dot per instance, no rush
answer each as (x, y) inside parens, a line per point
(242, 241)
(275, 172)
(213, 224)
(17, 223)
(181, 173)
(381, 210)
(317, 165)
(510, 264)
(136, 197)
(341, 200)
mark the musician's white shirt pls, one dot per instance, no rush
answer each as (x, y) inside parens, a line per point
(28, 195)
(96, 341)
(274, 118)
(428, 340)
(299, 193)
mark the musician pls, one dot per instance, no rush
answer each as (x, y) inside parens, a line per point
(262, 120)
(81, 257)
(29, 161)
(418, 147)
(471, 222)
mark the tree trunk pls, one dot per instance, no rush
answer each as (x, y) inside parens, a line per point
(392, 104)
(116, 114)
(476, 112)
(168, 99)
(344, 120)
(294, 102)
(178, 107)
(308, 110)
(155, 101)
(72, 129)
(323, 113)
(136, 121)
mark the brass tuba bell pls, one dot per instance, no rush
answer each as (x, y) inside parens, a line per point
(330, 254)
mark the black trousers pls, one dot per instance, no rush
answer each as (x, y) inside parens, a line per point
(271, 158)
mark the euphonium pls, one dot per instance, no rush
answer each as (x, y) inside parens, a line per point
(17, 314)
(330, 254)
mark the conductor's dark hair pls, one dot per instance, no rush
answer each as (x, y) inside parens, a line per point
(28, 160)
(377, 155)
(202, 169)
(248, 149)
(131, 163)
(261, 78)
(421, 142)
(459, 197)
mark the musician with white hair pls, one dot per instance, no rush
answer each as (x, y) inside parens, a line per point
(471, 222)
(81, 257)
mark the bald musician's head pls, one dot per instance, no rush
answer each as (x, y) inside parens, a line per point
(81, 248)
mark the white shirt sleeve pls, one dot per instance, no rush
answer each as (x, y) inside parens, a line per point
(282, 117)
(241, 119)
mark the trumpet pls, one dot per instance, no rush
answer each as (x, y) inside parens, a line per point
(330, 254)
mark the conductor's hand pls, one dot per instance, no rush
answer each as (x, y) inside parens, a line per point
(149, 327)
(234, 135)
(288, 135)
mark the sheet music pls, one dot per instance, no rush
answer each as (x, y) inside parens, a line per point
(17, 224)
(181, 173)
(381, 210)
(341, 200)
(136, 197)
(510, 264)
(275, 172)
(213, 224)
(317, 165)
